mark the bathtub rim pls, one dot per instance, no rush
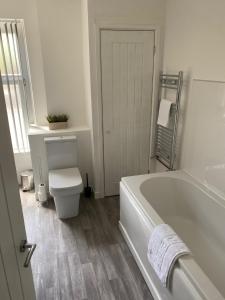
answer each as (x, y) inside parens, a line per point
(192, 270)
(182, 175)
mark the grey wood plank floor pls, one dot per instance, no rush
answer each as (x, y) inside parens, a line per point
(84, 257)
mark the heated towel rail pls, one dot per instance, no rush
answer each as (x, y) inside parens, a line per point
(166, 136)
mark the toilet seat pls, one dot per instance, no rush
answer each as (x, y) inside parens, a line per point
(65, 181)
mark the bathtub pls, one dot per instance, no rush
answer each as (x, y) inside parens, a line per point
(198, 217)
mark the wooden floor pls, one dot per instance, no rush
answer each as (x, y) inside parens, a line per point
(84, 257)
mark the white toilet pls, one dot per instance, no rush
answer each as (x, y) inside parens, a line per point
(65, 182)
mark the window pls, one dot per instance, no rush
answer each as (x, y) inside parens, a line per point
(16, 82)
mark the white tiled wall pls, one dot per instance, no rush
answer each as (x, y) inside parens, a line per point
(203, 153)
(195, 44)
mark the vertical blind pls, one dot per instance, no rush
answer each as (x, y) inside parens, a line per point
(14, 83)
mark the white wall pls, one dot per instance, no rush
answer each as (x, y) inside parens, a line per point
(128, 11)
(22, 162)
(195, 43)
(204, 143)
(194, 39)
(112, 13)
(61, 40)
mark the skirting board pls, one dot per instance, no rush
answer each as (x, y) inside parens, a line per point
(147, 278)
(98, 195)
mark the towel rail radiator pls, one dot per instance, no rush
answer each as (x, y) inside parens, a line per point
(166, 137)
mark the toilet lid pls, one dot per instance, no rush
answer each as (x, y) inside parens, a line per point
(65, 179)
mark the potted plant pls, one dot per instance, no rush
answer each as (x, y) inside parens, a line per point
(59, 121)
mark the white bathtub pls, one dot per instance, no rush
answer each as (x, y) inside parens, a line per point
(198, 217)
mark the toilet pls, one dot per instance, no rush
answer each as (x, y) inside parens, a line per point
(65, 182)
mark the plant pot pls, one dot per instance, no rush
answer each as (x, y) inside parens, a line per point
(57, 125)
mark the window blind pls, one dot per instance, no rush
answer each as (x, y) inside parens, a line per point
(13, 67)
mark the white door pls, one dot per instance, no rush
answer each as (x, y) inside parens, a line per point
(127, 62)
(16, 281)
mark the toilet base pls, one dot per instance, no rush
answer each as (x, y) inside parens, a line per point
(67, 206)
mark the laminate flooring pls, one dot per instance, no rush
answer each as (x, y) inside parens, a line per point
(84, 257)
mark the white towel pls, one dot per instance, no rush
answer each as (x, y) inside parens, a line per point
(164, 248)
(164, 112)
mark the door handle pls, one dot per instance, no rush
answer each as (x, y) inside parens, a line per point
(23, 247)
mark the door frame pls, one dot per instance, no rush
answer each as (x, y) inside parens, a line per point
(96, 93)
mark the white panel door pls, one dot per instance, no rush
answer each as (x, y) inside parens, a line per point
(127, 62)
(12, 231)
(4, 290)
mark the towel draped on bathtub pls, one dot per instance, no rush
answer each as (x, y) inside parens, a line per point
(164, 249)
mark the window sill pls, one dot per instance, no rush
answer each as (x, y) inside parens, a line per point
(17, 153)
(44, 130)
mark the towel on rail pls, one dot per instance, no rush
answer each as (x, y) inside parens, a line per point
(164, 249)
(164, 112)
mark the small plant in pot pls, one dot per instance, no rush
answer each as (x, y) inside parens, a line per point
(59, 121)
